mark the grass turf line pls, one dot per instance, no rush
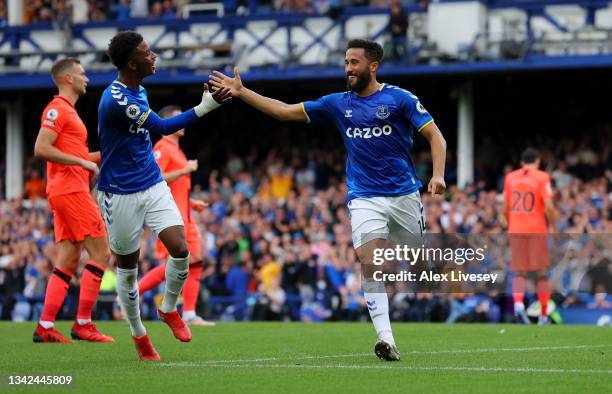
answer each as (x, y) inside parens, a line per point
(330, 357)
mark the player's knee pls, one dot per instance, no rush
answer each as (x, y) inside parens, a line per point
(102, 257)
(69, 265)
(180, 250)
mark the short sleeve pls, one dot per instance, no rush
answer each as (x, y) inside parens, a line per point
(54, 118)
(546, 190)
(162, 156)
(320, 110)
(506, 189)
(414, 111)
(125, 106)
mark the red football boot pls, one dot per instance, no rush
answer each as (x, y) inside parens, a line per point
(176, 324)
(49, 335)
(146, 351)
(89, 332)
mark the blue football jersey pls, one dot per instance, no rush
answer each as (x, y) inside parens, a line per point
(377, 131)
(128, 164)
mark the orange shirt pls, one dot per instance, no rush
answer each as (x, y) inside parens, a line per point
(170, 158)
(35, 188)
(525, 190)
(281, 186)
(61, 117)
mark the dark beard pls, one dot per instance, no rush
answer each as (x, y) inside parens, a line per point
(361, 83)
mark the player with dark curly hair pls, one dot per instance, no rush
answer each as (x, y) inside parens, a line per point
(132, 192)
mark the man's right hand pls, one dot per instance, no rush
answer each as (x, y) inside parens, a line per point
(191, 166)
(90, 166)
(222, 81)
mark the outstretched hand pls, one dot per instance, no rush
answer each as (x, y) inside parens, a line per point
(221, 96)
(221, 81)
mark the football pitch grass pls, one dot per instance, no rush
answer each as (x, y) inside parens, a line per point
(329, 357)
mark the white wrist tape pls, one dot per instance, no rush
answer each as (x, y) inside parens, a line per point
(208, 104)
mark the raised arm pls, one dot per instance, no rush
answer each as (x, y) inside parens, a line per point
(438, 156)
(210, 102)
(44, 148)
(275, 108)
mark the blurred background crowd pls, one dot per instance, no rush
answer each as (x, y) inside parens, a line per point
(277, 238)
(41, 11)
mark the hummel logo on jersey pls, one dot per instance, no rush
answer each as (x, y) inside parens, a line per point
(348, 113)
(368, 132)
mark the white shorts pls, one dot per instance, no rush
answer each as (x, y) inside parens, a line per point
(398, 219)
(126, 214)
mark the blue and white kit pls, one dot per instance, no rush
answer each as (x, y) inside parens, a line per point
(131, 190)
(381, 179)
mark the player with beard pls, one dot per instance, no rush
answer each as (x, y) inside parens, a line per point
(376, 121)
(132, 192)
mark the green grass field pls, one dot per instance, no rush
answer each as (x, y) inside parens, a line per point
(331, 357)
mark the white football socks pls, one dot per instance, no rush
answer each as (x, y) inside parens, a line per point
(127, 290)
(177, 270)
(189, 315)
(375, 295)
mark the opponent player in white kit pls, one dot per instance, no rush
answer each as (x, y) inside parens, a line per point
(376, 121)
(132, 192)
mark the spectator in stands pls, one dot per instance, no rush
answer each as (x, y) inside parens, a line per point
(237, 282)
(35, 186)
(168, 10)
(3, 14)
(97, 10)
(157, 10)
(296, 233)
(139, 8)
(63, 12)
(123, 10)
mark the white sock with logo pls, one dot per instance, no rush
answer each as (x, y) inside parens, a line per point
(377, 301)
(177, 270)
(127, 290)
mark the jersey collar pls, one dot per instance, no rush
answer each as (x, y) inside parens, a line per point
(382, 86)
(63, 98)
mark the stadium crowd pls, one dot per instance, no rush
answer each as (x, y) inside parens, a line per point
(36, 11)
(277, 237)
